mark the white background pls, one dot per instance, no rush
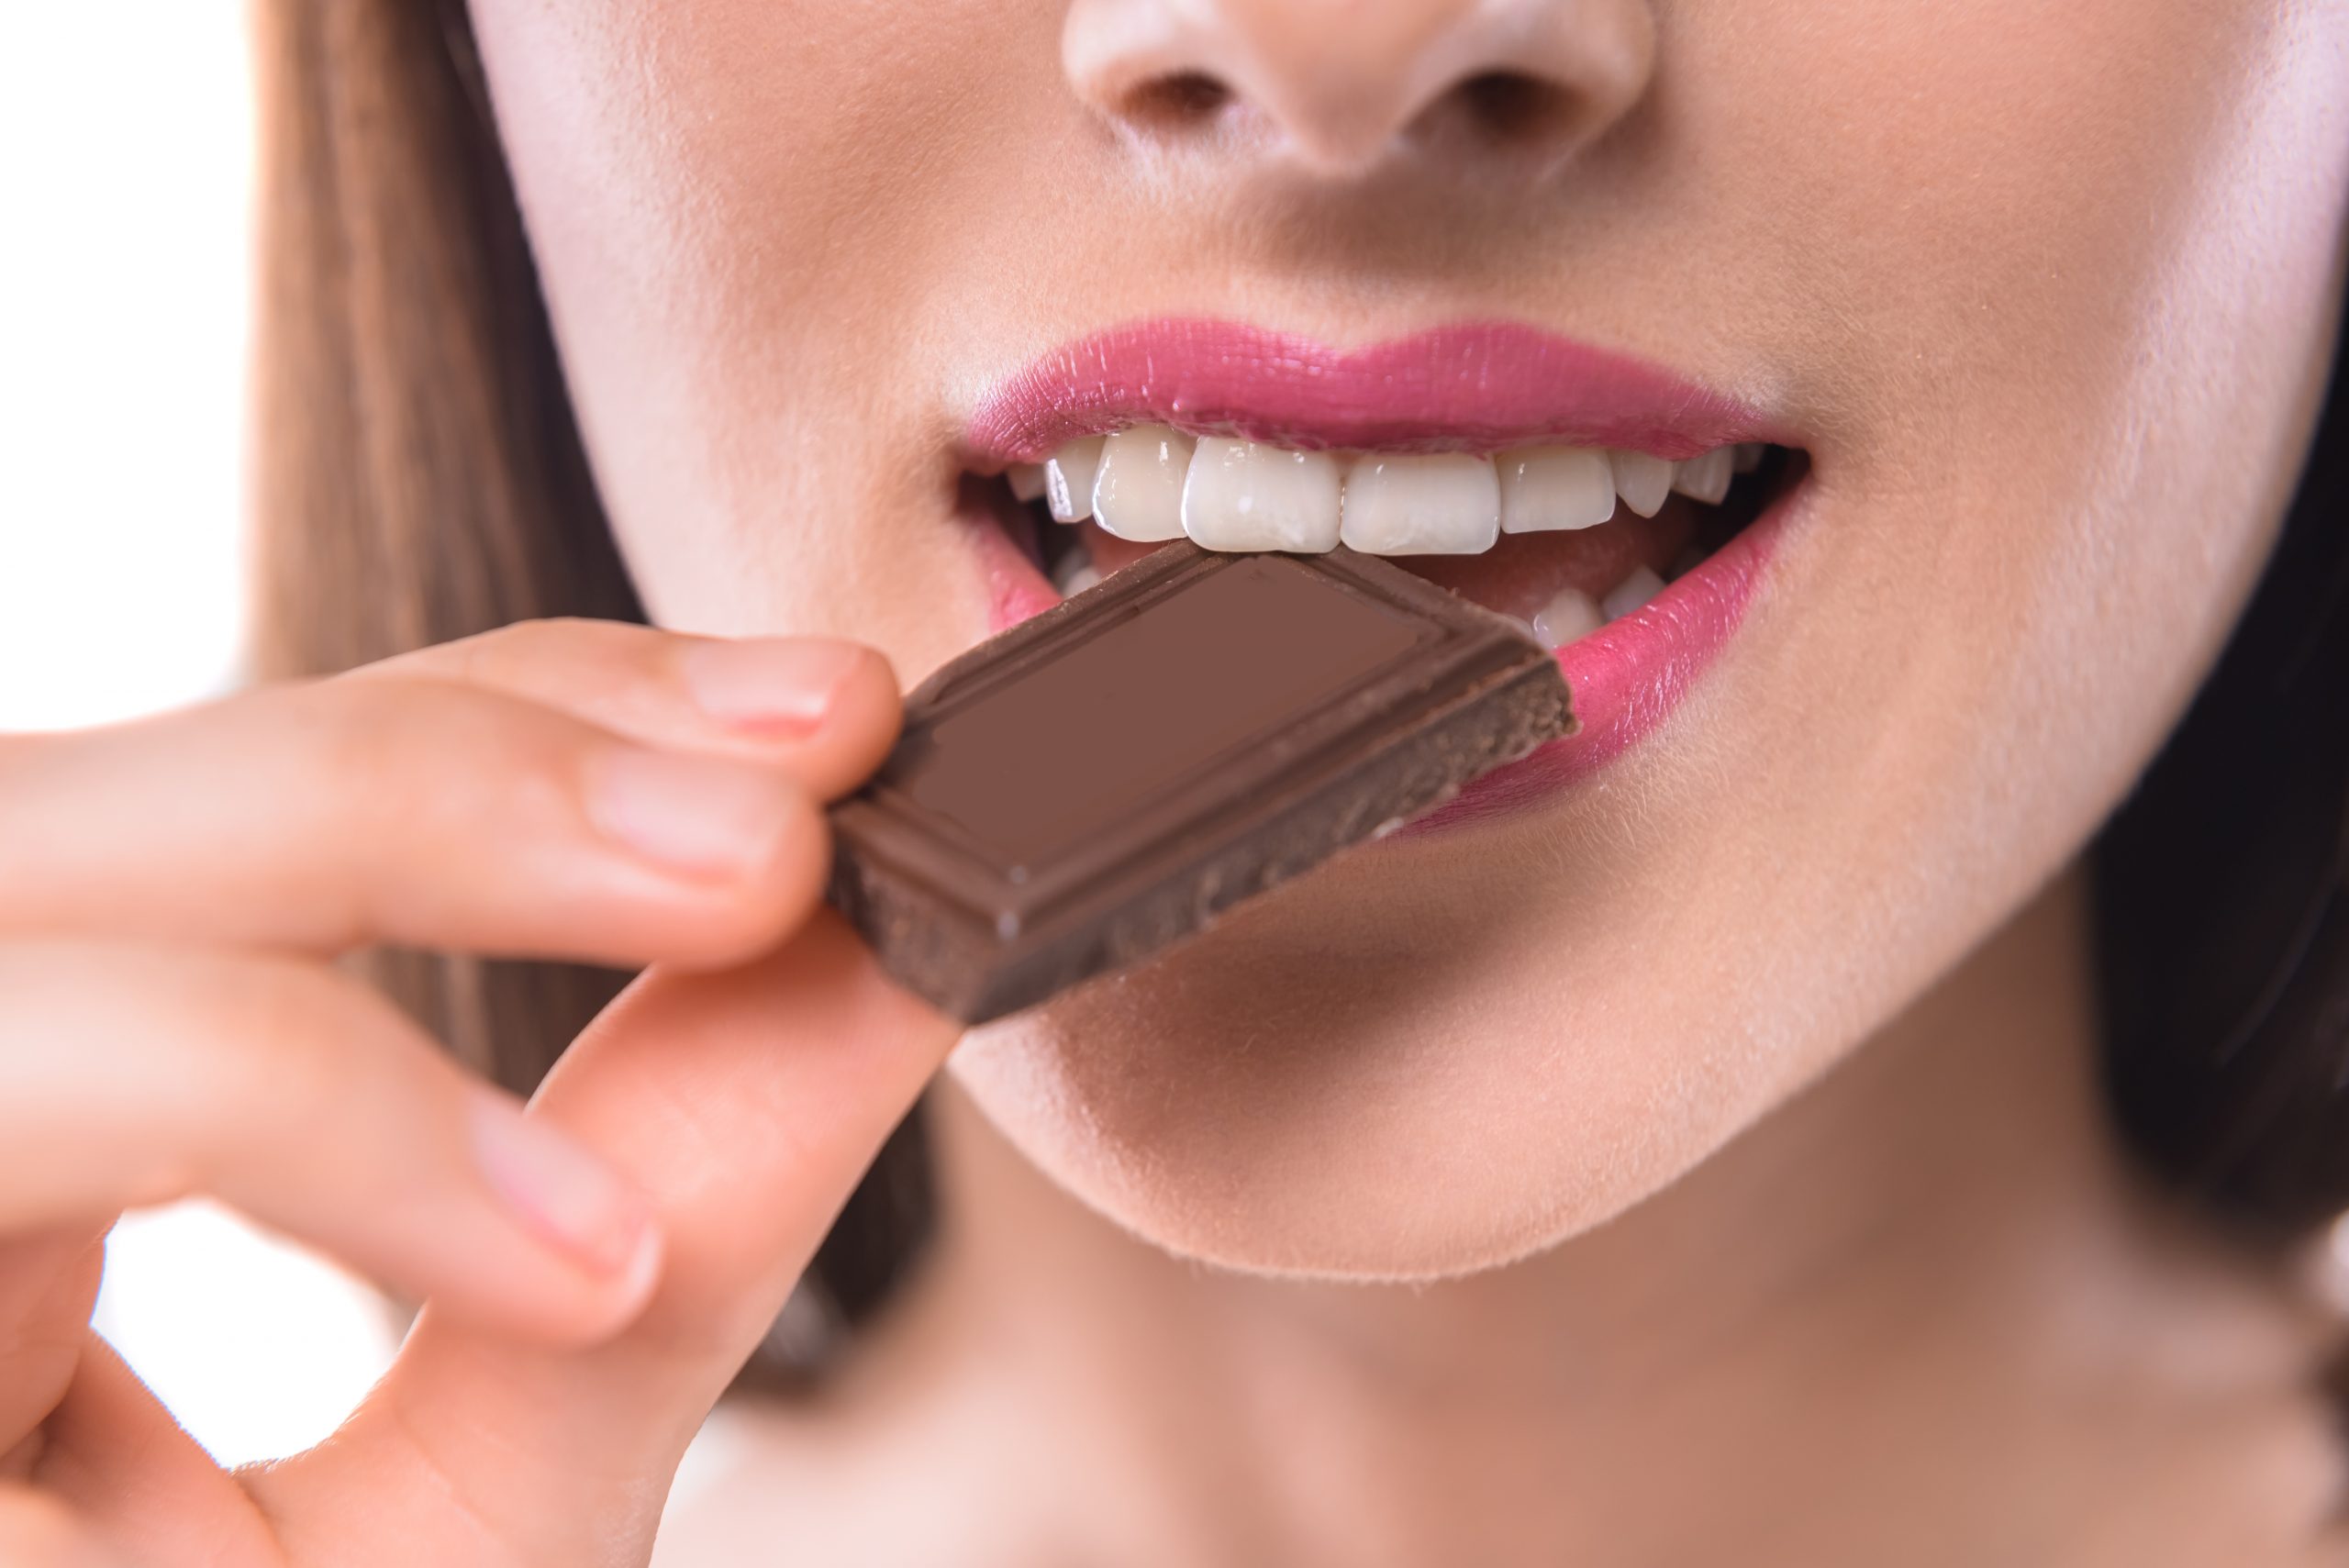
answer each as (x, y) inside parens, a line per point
(125, 143)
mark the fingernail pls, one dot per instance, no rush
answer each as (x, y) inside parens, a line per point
(694, 815)
(787, 683)
(563, 1194)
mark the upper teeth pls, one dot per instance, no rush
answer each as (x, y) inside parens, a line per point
(1148, 483)
(1137, 490)
(1642, 481)
(1246, 496)
(1446, 504)
(1556, 487)
(1068, 479)
(1705, 478)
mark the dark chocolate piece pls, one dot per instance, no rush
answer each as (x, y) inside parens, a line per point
(1099, 782)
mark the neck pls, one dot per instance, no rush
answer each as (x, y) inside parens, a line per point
(1868, 1296)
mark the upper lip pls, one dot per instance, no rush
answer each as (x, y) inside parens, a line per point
(1472, 386)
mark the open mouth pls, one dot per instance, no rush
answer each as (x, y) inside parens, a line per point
(1563, 539)
(1621, 515)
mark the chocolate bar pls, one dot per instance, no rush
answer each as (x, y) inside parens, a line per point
(1098, 782)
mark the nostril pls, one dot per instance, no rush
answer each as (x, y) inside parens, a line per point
(1336, 89)
(1509, 106)
(1179, 101)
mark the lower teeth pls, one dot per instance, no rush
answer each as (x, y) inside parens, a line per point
(1572, 614)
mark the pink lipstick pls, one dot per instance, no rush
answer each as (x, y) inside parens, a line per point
(1473, 386)
(1477, 387)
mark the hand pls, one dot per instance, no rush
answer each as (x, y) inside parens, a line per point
(596, 1270)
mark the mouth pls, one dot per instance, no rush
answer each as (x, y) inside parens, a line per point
(1622, 515)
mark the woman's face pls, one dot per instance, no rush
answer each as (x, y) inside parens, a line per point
(2042, 292)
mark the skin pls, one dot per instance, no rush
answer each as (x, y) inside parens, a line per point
(2046, 471)
(1543, 1231)
(595, 1270)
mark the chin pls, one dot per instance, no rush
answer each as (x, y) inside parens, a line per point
(1315, 1090)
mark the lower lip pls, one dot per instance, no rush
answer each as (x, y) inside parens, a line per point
(1627, 678)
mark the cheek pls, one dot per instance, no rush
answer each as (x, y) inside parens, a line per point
(2079, 250)
(1323, 1086)
(737, 208)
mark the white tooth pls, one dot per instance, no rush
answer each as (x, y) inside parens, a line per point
(1027, 481)
(1632, 592)
(1642, 481)
(1555, 487)
(1704, 478)
(1748, 456)
(1245, 496)
(1444, 503)
(1072, 582)
(1076, 560)
(1068, 479)
(1571, 614)
(1138, 493)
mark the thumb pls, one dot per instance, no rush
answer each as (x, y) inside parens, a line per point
(747, 1104)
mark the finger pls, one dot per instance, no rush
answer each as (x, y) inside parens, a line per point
(325, 816)
(132, 1076)
(136, 1482)
(823, 710)
(39, 1531)
(48, 1283)
(747, 1103)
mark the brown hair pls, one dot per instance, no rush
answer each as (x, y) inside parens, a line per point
(420, 478)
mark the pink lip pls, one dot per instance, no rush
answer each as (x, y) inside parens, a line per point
(1474, 386)
(1629, 676)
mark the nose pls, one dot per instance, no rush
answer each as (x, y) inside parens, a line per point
(1340, 86)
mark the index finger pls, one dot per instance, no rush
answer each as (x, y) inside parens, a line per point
(437, 814)
(785, 702)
